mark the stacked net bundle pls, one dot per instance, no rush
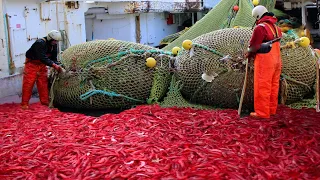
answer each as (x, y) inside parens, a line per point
(111, 74)
(221, 16)
(170, 38)
(280, 14)
(221, 55)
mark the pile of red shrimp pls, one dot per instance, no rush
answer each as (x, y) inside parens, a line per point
(150, 142)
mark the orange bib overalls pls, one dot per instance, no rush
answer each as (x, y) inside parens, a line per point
(267, 71)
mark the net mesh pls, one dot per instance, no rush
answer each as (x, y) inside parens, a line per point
(174, 97)
(221, 53)
(309, 102)
(111, 74)
(118, 76)
(298, 72)
(209, 56)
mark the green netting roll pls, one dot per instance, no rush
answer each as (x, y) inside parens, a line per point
(215, 19)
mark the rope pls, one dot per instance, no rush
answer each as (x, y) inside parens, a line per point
(295, 81)
(93, 88)
(208, 49)
(111, 94)
(51, 92)
(283, 91)
(290, 32)
(123, 53)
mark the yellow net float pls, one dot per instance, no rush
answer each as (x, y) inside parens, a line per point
(304, 42)
(151, 62)
(255, 2)
(175, 50)
(187, 44)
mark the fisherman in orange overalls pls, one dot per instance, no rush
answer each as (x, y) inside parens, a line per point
(267, 65)
(42, 53)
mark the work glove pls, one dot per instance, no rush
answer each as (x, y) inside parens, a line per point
(249, 56)
(57, 68)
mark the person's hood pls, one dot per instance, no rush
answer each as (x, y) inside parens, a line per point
(268, 19)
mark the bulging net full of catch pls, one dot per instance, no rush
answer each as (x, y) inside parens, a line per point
(220, 54)
(111, 74)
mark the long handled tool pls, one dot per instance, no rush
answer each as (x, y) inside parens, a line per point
(244, 88)
(54, 76)
(265, 48)
(318, 86)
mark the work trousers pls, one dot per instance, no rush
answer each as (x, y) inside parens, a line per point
(267, 71)
(35, 72)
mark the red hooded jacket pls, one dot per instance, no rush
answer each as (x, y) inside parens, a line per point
(266, 30)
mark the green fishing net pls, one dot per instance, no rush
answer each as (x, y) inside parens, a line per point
(113, 74)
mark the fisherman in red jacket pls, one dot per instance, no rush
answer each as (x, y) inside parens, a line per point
(42, 53)
(267, 65)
